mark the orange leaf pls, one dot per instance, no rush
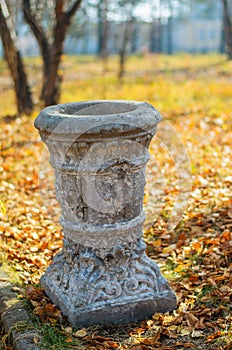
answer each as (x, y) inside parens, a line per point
(226, 235)
(213, 336)
(181, 239)
(157, 243)
(68, 340)
(110, 344)
(194, 279)
(197, 246)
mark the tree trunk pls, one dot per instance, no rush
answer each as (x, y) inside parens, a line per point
(102, 28)
(51, 52)
(14, 61)
(160, 28)
(52, 80)
(170, 29)
(152, 38)
(122, 59)
(122, 51)
(222, 41)
(125, 39)
(227, 28)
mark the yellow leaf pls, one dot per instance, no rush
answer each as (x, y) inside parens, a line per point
(2, 208)
(185, 331)
(182, 267)
(172, 328)
(168, 319)
(169, 249)
(80, 334)
(150, 323)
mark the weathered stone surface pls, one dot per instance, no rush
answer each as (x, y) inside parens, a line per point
(99, 152)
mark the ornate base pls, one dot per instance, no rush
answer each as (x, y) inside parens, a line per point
(117, 285)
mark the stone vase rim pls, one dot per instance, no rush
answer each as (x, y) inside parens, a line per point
(69, 118)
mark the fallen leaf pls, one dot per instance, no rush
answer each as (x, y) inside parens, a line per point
(197, 334)
(68, 330)
(214, 336)
(185, 331)
(36, 340)
(110, 344)
(68, 340)
(80, 333)
(169, 249)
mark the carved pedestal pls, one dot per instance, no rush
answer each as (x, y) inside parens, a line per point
(98, 150)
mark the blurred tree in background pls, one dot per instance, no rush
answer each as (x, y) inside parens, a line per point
(49, 22)
(127, 10)
(13, 57)
(227, 7)
(227, 20)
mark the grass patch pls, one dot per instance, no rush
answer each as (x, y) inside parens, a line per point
(9, 270)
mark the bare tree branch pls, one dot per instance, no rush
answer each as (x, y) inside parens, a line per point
(59, 6)
(36, 28)
(73, 8)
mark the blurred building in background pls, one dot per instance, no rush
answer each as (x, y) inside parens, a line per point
(201, 31)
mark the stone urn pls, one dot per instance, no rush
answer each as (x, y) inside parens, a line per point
(99, 150)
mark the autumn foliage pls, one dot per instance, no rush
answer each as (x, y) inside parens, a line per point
(194, 95)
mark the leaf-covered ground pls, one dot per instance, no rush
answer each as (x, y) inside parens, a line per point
(194, 95)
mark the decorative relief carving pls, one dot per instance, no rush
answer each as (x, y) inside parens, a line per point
(99, 275)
